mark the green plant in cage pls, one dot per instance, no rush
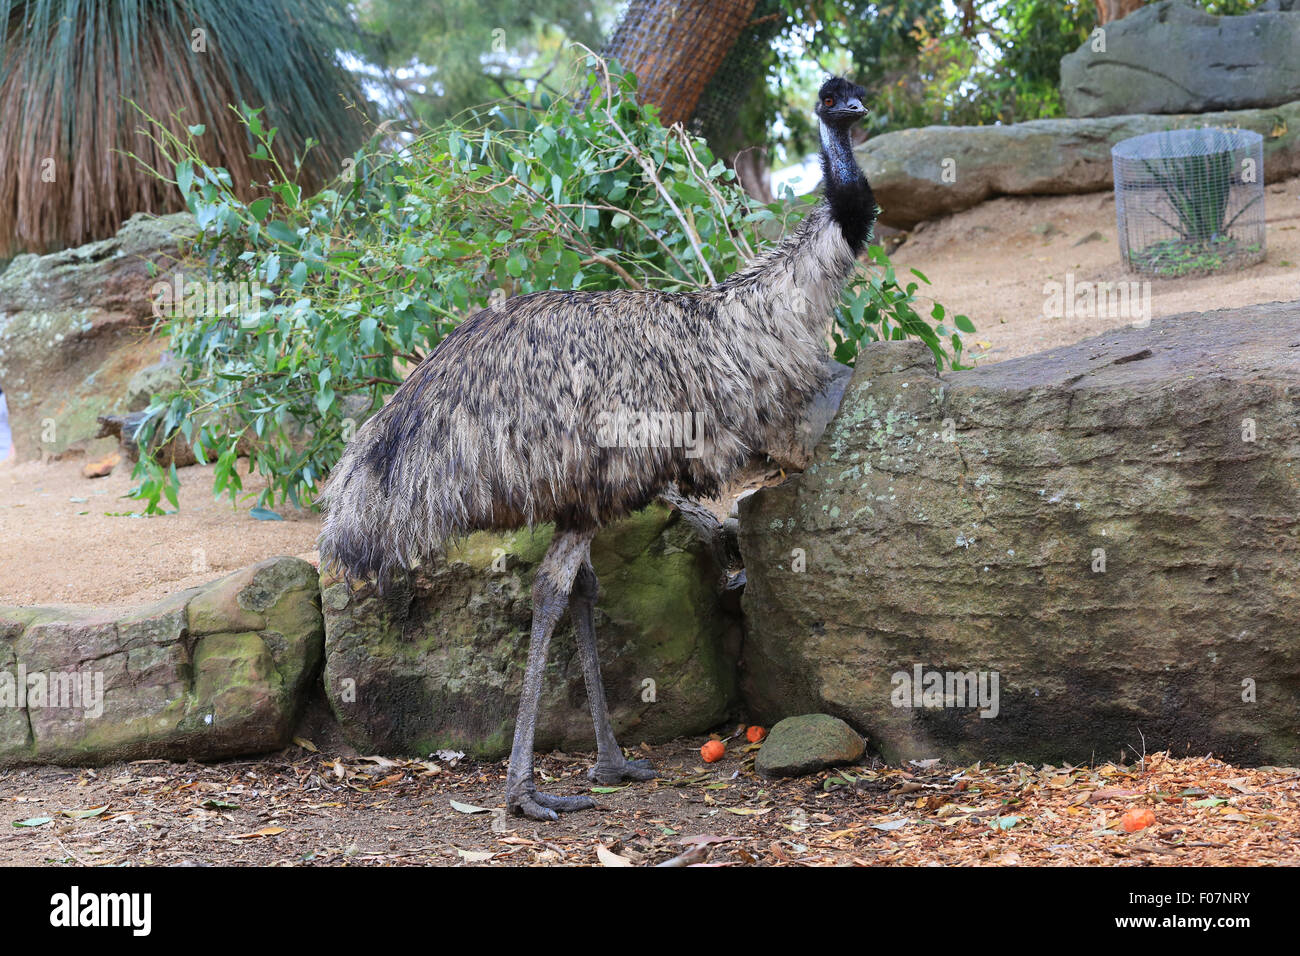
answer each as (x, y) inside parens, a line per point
(1198, 189)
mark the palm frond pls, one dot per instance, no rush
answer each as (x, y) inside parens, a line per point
(70, 68)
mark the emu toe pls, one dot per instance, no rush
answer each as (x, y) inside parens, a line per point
(627, 770)
(544, 806)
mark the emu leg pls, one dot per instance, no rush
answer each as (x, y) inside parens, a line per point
(551, 590)
(611, 765)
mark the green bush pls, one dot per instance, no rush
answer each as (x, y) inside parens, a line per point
(349, 287)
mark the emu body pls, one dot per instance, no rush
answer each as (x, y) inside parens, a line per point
(519, 417)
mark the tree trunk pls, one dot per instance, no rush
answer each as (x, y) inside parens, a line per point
(674, 47)
(1110, 10)
(753, 173)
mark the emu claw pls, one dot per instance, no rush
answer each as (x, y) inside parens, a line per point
(627, 770)
(544, 806)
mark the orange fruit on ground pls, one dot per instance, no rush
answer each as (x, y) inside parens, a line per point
(712, 751)
(1137, 818)
(755, 734)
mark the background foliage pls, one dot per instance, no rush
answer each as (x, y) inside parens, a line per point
(69, 70)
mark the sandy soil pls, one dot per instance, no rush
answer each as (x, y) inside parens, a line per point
(65, 539)
(990, 262)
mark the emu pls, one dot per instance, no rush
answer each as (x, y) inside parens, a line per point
(506, 422)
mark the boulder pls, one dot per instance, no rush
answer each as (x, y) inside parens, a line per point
(75, 332)
(438, 661)
(162, 376)
(210, 672)
(1173, 57)
(931, 171)
(807, 744)
(1051, 558)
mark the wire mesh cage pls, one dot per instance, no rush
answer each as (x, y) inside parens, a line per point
(1190, 201)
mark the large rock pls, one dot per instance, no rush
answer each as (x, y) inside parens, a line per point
(211, 672)
(1173, 57)
(932, 171)
(75, 332)
(1110, 529)
(438, 663)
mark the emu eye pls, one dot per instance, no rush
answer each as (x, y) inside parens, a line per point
(829, 101)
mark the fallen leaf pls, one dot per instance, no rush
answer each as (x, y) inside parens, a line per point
(1112, 793)
(704, 839)
(891, 825)
(469, 807)
(264, 832)
(608, 857)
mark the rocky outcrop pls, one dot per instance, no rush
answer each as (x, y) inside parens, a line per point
(1173, 57)
(919, 174)
(437, 663)
(74, 333)
(210, 672)
(1050, 558)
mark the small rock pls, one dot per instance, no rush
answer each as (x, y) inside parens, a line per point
(102, 468)
(801, 745)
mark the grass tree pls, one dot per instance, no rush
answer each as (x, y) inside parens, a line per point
(70, 71)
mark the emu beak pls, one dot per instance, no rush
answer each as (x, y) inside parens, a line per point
(851, 110)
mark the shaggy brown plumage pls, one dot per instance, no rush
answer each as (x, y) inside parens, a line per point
(580, 408)
(510, 420)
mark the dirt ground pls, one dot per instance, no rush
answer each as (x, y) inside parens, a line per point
(992, 263)
(304, 808)
(70, 540)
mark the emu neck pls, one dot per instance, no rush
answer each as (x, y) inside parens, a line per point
(852, 204)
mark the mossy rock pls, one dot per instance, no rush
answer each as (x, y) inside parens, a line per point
(803, 745)
(210, 672)
(439, 660)
(1108, 530)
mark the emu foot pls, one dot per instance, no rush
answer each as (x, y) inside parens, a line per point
(611, 772)
(535, 805)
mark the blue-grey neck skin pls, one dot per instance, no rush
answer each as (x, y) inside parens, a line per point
(852, 204)
(837, 156)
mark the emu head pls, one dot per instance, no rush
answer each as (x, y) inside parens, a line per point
(839, 103)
